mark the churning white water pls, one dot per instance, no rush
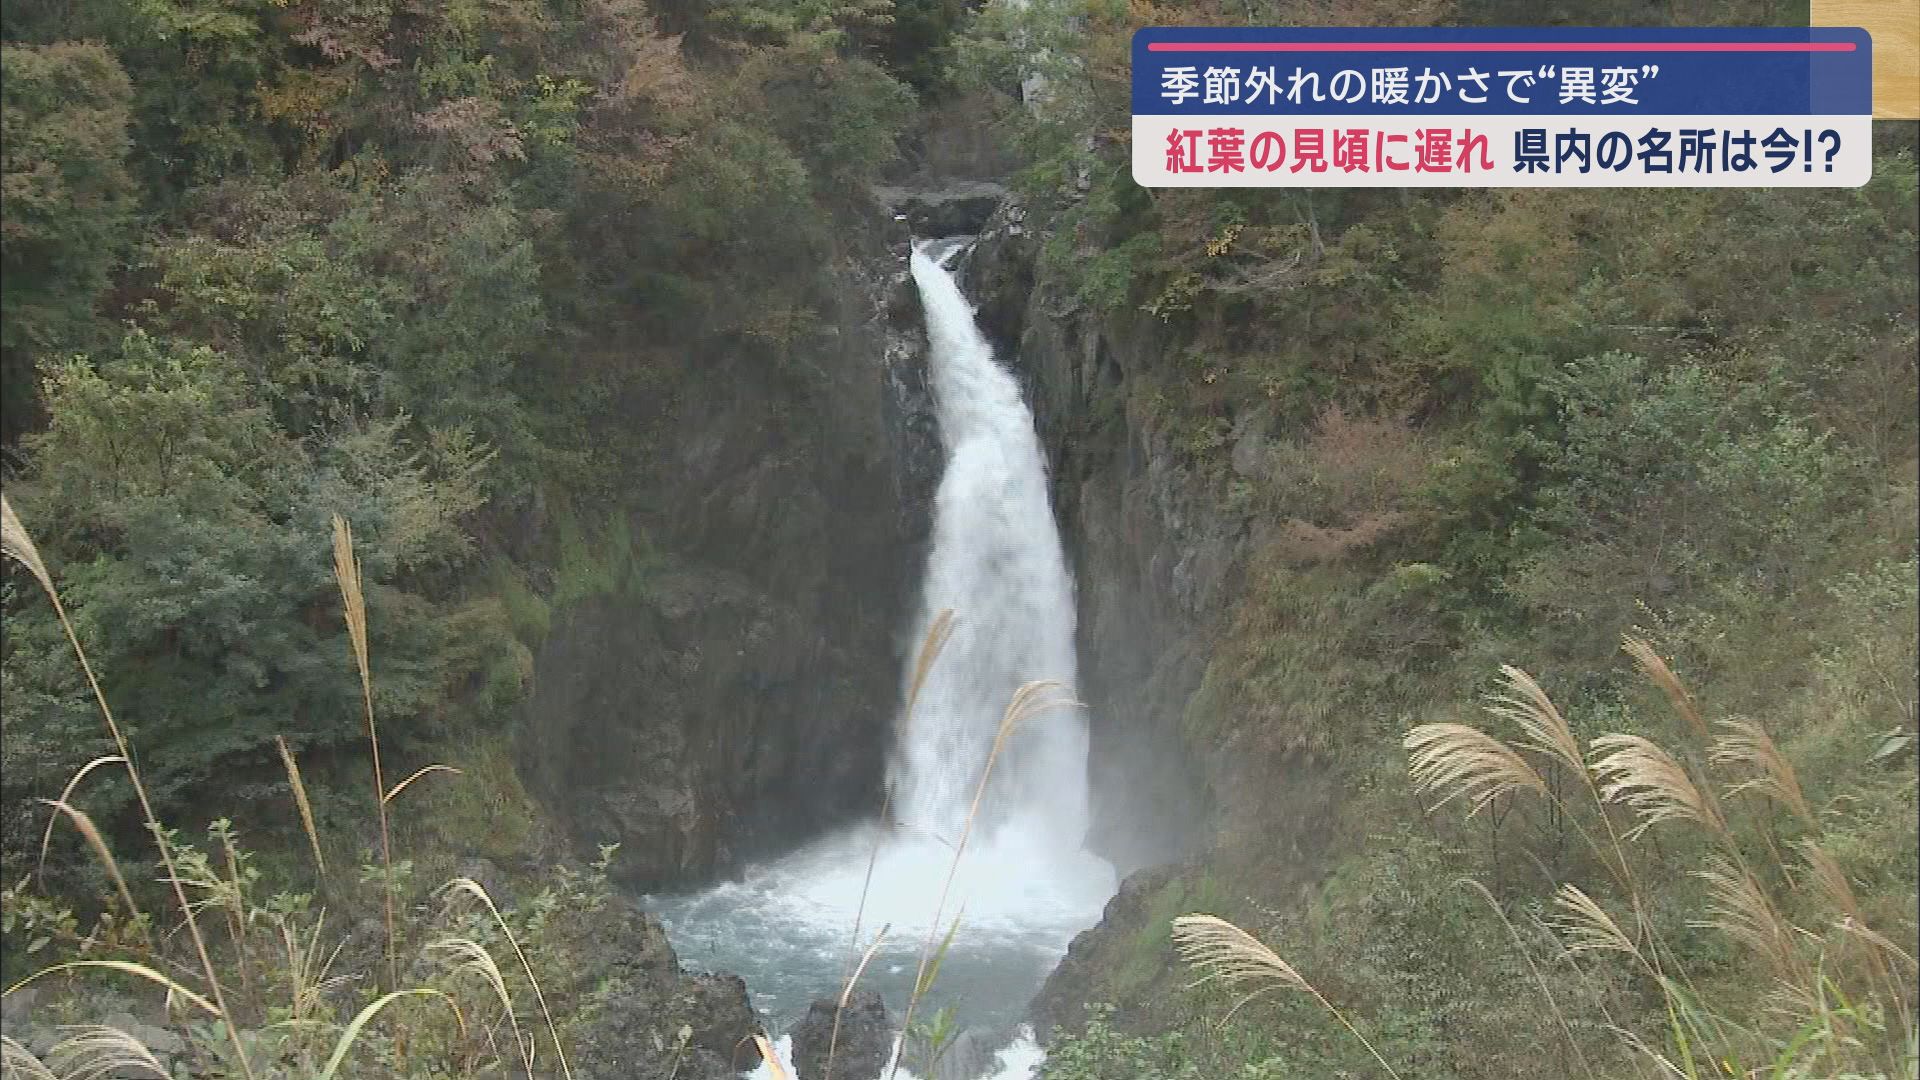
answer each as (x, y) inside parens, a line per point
(997, 563)
(1024, 885)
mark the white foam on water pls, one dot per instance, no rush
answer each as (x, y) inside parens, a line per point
(1019, 1060)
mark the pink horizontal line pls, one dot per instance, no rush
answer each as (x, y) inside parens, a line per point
(1501, 46)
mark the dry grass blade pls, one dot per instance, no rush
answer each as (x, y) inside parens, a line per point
(1225, 953)
(846, 995)
(1032, 700)
(1739, 908)
(98, 843)
(346, 572)
(1028, 701)
(96, 1052)
(1879, 941)
(1546, 731)
(1636, 771)
(1663, 1065)
(417, 774)
(471, 956)
(16, 543)
(1747, 744)
(351, 1033)
(470, 887)
(307, 968)
(17, 1061)
(1585, 926)
(66, 797)
(1540, 980)
(1658, 673)
(172, 986)
(931, 645)
(1829, 880)
(301, 801)
(1454, 760)
(773, 1060)
(938, 631)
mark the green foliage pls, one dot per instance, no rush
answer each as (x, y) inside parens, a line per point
(1681, 483)
(1151, 946)
(841, 116)
(1100, 1052)
(67, 202)
(390, 264)
(192, 534)
(609, 561)
(408, 305)
(919, 47)
(803, 24)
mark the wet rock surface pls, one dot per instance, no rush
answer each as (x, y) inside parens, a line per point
(955, 208)
(1079, 978)
(638, 1016)
(859, 1053)
(1153, 552)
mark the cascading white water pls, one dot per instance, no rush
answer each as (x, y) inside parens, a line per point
(1024, 884)
(996, 562)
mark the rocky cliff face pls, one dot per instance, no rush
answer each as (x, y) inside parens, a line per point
(1151, 552)
(740, 700)
(1160, 557)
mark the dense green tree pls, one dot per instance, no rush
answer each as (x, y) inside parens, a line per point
(65, 203)
(191, 537)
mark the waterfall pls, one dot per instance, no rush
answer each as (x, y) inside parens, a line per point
(997, 563)
(1023, 885)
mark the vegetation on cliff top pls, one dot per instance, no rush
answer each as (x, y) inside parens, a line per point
(446, 271)
(1473, 428)
(1469, 429)
(432, 269)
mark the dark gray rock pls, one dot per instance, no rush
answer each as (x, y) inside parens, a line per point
(955, 208)
(1078, 980)
(17, 1007)
(734, 696)
(865, 1040)
(1153, 547)
(635, 1015)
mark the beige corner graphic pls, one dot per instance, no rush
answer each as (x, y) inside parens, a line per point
(1895, 26)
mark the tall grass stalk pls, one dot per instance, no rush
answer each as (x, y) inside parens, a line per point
(1227, 954)
(18, 545)
(471, 956)
(469, 887)
(302, 803)
(1658, 787)
(346, 572)
(85, 826)
(1546, 992)
(846, 995)
(1028, 702)
(931, 644)
(935, 640)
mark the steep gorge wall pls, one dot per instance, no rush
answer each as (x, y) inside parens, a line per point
(1151, 553)
(1161, 559)
(740, 700)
